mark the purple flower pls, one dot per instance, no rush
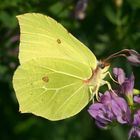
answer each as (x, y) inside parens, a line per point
(134, 132)
(137, 99)
(111, 108)
(126, 84)
(136, 121)
(101, 115)
(121, 105)
(119, 74)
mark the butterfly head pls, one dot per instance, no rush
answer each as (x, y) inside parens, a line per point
(103, 66)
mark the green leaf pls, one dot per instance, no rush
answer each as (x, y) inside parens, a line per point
(7, 20)
(112, 15)
(134, 3)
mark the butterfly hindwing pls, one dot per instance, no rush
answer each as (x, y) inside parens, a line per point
(52, 88)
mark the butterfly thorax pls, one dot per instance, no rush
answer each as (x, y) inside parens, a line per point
(97, 78)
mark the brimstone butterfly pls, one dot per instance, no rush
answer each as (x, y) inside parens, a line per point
(58, 75)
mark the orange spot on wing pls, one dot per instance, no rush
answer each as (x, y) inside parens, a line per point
(45, 79)
(58, 41)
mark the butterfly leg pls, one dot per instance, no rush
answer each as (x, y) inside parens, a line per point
(109, 86)
(94, 92)
(91, 90)
(108, 73)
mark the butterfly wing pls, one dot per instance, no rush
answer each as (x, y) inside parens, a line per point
(42, 36)
(52, 88)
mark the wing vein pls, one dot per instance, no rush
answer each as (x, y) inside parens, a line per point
(44, 35)
(68, 99)
(64, 73)
(61, 87)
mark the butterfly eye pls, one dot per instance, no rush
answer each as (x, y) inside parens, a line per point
(101, 65)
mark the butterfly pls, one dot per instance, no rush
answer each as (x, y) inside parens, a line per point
(58, 75)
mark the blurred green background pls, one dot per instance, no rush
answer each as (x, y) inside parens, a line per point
(105, 26)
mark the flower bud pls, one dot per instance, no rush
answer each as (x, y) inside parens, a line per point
(133, 57)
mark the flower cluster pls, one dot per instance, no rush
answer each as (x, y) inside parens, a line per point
(118, 106)
(109, 109)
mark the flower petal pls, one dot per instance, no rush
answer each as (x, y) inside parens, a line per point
(136, 121)
(94, 109)
(134, 132)
(133, 57)
(137, 99)
(128, 85)
(119, 74)
(101, 125)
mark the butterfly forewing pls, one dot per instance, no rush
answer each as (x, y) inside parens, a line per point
(42, 36)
